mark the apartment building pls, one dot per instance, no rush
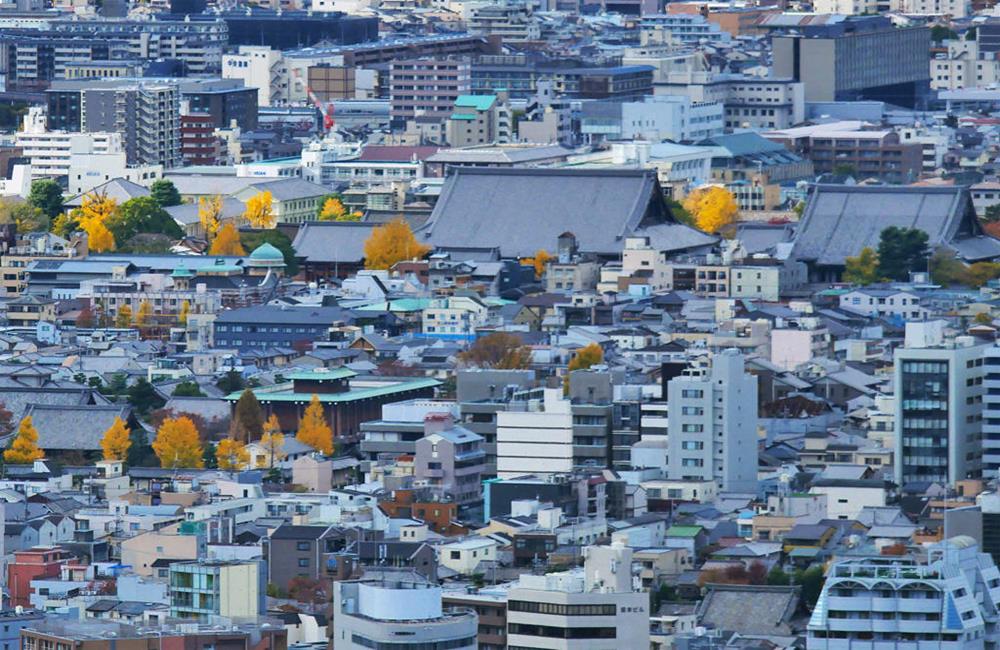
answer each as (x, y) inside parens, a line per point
(511, 20)
(943, 602)
(205, 589)
(33, 58)
(479, 120)
(991, 413)
(450, 460)
(686, 28)
(749, 102)
(427, 87)
(846, 146)
(964, 65)
(939, 407)
(713, 424)
(49, 151)
(657, 118)
(596, 606)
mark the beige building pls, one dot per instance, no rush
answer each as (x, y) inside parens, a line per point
(963, 67)
(142, 551)
(208, 588)
(479, 120)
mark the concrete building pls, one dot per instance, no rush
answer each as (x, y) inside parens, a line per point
(450, 460)
(964, 65)
(49, 151)
(398, 610)
(991, 413)
(537, 440)
(581, 609)
(943, 602)
(713, 424)
(210, 588)
(749, 102)
(479, 120)
(427, 87)
(857, 58)
(686, 28)
(511, 20)
(939, 407)
(657, 118)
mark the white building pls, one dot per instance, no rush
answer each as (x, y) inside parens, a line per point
(597, 607)
(537, 439)
(884, 303)
(262, 68)
(963, 66)
(750, 102)
(89, 168)
(454, 317)
(398, 610)
(792, 346)
(947, 602)
(49, 151)
(939, 408)
(656, 118)
(713, 425)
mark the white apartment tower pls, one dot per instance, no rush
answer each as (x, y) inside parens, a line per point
(712, 424)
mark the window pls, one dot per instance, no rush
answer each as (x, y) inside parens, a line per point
(302, 546)
(303, 562)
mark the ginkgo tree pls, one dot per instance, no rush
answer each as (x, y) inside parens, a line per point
(333, 210)
(227, 241)
(313, 429)
(273, 442)
(391, 243)
(713, 208)
(177, 444)
(116, 441)
(259, 211)
(24, 449)
(231, 455)
(210, 215)
(93, 215)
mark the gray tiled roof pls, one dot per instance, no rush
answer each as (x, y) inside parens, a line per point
(749, 609)
(524, 209)
(332, 241)
(840, 220)
(73, 427)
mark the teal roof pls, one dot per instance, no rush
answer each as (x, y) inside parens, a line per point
(478, 102)
(679, 531)
(181, 272)
(398, 305)
(283, 392)
(804, 552)
(465, 117)
(267, 253)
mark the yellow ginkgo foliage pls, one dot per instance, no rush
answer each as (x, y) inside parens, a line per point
(333, 210)
(93, 215)
(539, 261)
(272, 441)
(713, 208)
(210, 215)
(24, 449)
(231, 455)
(391, 243)
(260, 210)
(313, 429)
(177, 444)
(116, 441)
(227, 241)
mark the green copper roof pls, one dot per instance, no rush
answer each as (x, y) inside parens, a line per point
(267, 253)
(464, 117)
(683, 531)
(478, 102)
(283, 393)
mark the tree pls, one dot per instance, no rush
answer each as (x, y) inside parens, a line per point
(227, 241)
(123, 318)
(210, 215)
(85, 319)
(251, 239)
(116, 441)
(313, 429)
(757, 573)
(142, 215)
(940, 33)
(143, 397)
(845, 169)
(946, 269)
(862, 269)
(307, 590)
(980, 273)
(992, 213)
(333, 209)
(187, 389)
(24, 449)
(900, 251)
(260, 210)
(497, 350)
(713, 208)
(231, 382)
(585, 357)
(983, 318)
(27, 217)
(177, 444)
(231, 455)
(46, 195)
(273, 441)
(6, 420)
(164, 193)
(140, 453)
(777, 577)
(539, 261)
(811, 580)
(391, 243)
(182, 317)
(248, 419)
(144, 314)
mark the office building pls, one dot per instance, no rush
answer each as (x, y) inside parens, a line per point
(713, 424)
(749, 102)
(206, 589)
(990, 396)
(520, 77)
(398, 610)
(49, 152)
(686, 28)
(286, 30)
(945, 602)
(32, 59)
(145, 112)
(596, 606)
(479, 120)
(859, 58)
(657, 118)
(427, 87)
(939, 407)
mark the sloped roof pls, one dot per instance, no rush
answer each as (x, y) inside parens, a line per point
(524, 209)
(840, 220)
(332, 241)
(749, 609)
(73, 427)
(119, 189)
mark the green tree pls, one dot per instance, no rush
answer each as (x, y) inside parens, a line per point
(777, 577)
(940, 33)
(140, 453)
(188, 389)
(946, 269)
(46, 195)
(251, 239)
(164, 193)
(208, 456)
(845, 169)
(143, 397)
(248, 418)
(142, 215)
(811, 580)
(231, 382)
(992, 213)
(862, 269)
(900, 251)
(27, 217)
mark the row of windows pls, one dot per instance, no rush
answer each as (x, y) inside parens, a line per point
(365, 642)
(553, 632)
(558, 609)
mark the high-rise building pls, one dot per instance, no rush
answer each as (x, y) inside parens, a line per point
(939, 406)
(597, 606)
(397, 610)
(713, 424)
(945, 602)
(990, 396)
(859, 58)
(427, 87)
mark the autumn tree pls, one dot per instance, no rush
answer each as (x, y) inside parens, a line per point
(539, 261)
(231, 455)
(227, 241)
(391, 243)
(85, 319)
(123, 318)
(93, 217)
(500, 350)
(273, 441)
(713, 208)
(116, 441)
(313, 429)
(182, 317)
(862, 269)
(177, 444)
(210, 215)
(24, 449)
(248, 419)
(144, 314)
(259, 210)
(585, 357)
(333, 210)
(946, 268)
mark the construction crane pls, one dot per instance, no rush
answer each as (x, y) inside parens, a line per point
(327, 113)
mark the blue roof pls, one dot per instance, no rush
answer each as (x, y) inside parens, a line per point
(478, 102)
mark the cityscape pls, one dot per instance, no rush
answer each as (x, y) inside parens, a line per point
(500, 324)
